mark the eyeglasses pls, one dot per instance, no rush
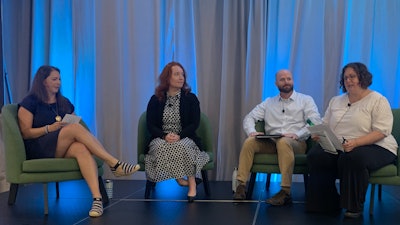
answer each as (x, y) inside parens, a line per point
(350, 77)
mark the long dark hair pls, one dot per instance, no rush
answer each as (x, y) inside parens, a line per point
(39, 90)
(164, 78)
(364, 76)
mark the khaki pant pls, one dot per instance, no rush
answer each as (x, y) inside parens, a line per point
(284, 147)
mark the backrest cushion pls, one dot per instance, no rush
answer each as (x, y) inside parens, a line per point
(396, 134)
(396, 125)
(13, 143)
(205, 133)
(143, 135)
(260, 126)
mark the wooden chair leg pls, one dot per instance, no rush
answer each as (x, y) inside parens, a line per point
(103, 191)
(268, 182)
(149, 187)
(252, 181)
(46, 199)
(12, 195)
(371, 200)
(206, 184)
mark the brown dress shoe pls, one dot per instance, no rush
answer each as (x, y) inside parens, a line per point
(240, 193)
(281, 198)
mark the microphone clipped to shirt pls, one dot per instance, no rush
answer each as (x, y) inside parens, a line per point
(349, 104)
(283, 110)
(169, 105)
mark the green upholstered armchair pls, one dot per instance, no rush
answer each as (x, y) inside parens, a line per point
(19, 170)
(390, 174)
(268, 163)
(204, 132)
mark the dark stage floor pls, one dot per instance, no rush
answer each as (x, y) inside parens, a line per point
(168, 206)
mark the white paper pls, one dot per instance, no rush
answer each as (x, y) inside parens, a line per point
(327, 139)
(70, 118)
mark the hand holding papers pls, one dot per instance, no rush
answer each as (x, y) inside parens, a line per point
(70, 118)
(327, 139)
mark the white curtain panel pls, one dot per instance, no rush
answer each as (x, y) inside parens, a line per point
(111, 52)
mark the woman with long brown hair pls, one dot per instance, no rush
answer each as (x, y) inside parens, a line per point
(45, 135)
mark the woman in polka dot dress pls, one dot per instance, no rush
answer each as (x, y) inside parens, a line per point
(173, 115)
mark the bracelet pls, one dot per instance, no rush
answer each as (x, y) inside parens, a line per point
(46, 129)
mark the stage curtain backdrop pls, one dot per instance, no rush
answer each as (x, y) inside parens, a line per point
(111, 52)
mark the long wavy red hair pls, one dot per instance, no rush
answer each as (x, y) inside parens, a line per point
(164, 78)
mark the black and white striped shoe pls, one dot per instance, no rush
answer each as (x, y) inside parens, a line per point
(124, 169)
(97, 208)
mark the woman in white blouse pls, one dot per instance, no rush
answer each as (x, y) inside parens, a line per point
(362, 119)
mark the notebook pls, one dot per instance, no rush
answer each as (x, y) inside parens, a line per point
(70, 118)
(266, 136)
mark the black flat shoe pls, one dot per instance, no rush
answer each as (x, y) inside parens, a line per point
(191, 198)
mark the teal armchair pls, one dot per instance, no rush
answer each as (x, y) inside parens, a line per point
(204, 132)
(19, 170)
(390, 174)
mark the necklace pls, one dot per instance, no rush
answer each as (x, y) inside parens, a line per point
(58, 117)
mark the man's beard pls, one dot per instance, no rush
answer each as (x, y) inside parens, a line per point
(287, 89)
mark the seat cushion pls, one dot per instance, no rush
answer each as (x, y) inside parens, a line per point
(268, 163)
(386, 171)
(272, 159)
(52, 165)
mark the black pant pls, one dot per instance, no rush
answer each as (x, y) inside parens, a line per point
(351, 168)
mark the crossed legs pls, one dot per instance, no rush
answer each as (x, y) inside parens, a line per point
(74, 141)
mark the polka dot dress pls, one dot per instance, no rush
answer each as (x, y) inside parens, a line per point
(173, 160)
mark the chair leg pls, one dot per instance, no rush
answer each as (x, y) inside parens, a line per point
(371, 200)
(305, 178)
(57, 190)
(206, 184)
(379, 192)
(103, 191)
(12, 195)
(45, 199)
(268, 183)
(249, 193)
(149, 186)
